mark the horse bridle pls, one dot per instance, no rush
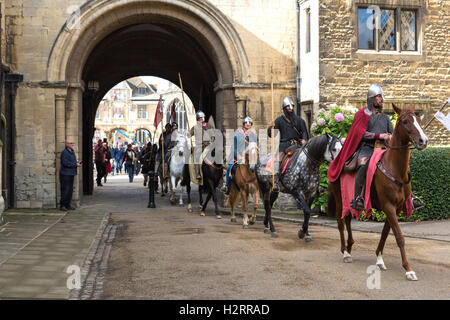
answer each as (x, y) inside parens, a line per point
(409, 145)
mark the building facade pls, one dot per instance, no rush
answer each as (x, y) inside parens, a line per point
(225, 54)
(402, 45)
(126, 113)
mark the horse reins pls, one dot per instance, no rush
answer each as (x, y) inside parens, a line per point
(391, 177)
(402, 146)
(316, 162)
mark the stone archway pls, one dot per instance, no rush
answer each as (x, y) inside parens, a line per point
(193, 35)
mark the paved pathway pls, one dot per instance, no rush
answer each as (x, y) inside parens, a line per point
(37, 246)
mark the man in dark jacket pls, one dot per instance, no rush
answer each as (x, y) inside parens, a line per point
(292, 130)
(68, 171)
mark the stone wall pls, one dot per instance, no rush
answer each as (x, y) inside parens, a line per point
(266, 30)
(422, 79)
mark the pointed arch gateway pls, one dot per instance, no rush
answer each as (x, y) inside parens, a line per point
(114, 40)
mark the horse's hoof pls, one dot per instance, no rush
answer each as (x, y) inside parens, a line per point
(266, 230)
(233, 220)
(202, 214)
(347, 257)
(411, 276)
(301, 234)
(251, 221)
(381, 266)
(308, 238)
(244, 227)
(274, 235)
(163, 195)
(219, 217)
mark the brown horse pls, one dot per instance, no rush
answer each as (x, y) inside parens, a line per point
(244, 184)
(385, 194)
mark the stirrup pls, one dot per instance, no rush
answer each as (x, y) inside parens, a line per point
(358, 203)
(417, 203)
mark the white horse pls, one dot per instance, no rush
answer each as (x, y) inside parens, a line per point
(179, 157)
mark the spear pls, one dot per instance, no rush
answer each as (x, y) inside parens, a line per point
(184, 105)
(438, 111)
(273, 131)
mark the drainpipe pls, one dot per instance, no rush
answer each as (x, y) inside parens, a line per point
(298, 80)
(12, 80)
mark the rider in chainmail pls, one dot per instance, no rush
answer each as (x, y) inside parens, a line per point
(292, 131)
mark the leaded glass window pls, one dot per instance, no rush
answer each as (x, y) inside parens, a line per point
(387, 30)
(408, 30)
(366, 30)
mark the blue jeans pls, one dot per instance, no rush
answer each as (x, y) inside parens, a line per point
(118, 165)
(130, 170)
(228, 181)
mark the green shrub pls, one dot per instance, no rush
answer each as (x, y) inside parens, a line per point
(430, 182)
(430, 170)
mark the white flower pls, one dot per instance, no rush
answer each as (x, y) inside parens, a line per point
(321, 122)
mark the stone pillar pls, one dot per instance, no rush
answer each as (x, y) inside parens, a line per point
(74, 131)
(60, 128)
(2, 201)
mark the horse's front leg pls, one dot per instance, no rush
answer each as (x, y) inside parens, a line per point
(244, 197)
(269, 199)
(180, 189)
(391, 216)
(379, 251)
(303, 232)
(172, 186)
(200, 196)
(202, 213)
(216, 206)
(255, 207)
(188, 190)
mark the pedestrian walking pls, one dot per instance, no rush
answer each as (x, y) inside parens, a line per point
(68, 171)
(130, 159)
(108, 156)
(100, 158)
(118, 156)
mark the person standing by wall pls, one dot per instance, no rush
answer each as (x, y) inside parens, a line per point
(68, 171)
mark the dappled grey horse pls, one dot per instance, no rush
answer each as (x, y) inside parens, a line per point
(301, 178)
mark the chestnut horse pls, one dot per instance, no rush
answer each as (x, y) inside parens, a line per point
(244, 184)
(385, 194)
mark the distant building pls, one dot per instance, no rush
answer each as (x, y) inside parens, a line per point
(126, 113)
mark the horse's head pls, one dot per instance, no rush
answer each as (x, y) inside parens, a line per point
(182, 146)
(408, 126)
(334, 146)
(251, 155)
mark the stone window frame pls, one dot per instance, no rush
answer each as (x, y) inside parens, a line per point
(398, 54)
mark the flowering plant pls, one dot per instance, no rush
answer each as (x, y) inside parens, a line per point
(335, 121)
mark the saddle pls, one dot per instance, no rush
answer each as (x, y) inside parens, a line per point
(287, 157)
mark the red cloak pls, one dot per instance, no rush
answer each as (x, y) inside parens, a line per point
(359, 126)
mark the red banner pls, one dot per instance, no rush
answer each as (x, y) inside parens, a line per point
(158, 114)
